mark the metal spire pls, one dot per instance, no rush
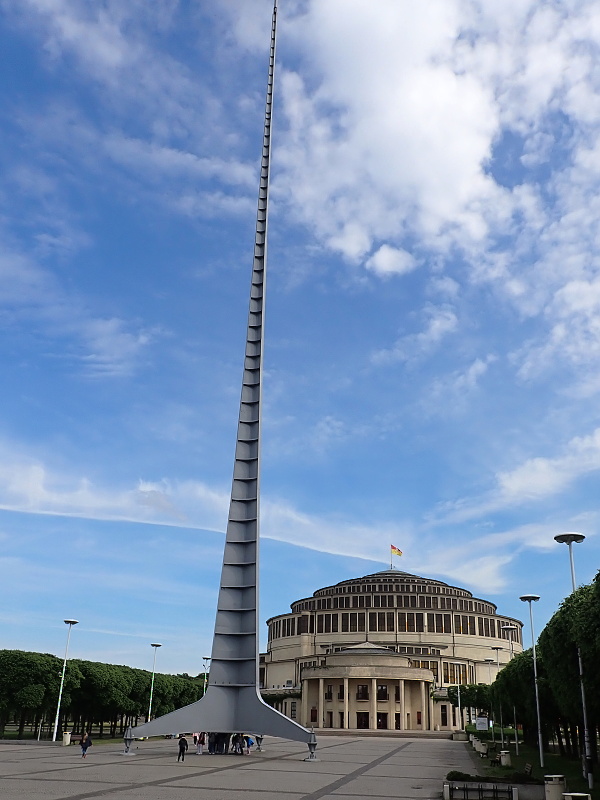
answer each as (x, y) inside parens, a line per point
(232, 701)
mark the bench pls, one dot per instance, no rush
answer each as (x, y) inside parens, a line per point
(478, 791)
(527, 769)
(495, 760)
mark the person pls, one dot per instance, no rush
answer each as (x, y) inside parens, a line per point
(86, 742)
(248, 741)
(200, 742)
(211, 743)
(183, 746)
(222, 743)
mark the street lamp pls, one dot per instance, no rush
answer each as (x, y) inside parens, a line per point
(155, 645)
(497, 649)
(489, 662)
(533, 598)
(70, 623)
(510, 630)
(206, 666)
(568, 539)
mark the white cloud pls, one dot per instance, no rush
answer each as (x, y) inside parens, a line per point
(533, 481)
(391, 261)
(450, 394)
(28, 485)
(445, 286)
(159, 160)
(111, 45)
(537, 478)
(100, 347)
(395, 135)
(441, 322)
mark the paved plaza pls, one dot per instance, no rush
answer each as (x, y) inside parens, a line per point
(348, 768)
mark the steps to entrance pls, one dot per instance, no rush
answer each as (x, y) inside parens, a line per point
(383, 733)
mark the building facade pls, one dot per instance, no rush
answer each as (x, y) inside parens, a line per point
(379, 653)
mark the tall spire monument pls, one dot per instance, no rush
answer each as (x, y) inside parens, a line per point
(232, 701)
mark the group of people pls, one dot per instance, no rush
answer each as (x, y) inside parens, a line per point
(216, 744)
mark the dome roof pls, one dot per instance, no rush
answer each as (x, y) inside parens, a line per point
(386, 576)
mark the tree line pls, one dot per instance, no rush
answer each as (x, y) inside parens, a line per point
(106, 697)
(575, 624)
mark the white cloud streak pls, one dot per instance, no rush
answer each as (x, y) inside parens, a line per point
(98, 347)
(441, 322)
(533, 481)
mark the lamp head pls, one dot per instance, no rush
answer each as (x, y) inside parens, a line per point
(509, 628)
(529, 598)
(156, 645)
(569, 538)
(489, 660)
(71, 621)
(497, 648)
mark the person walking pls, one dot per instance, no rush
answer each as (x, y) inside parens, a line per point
(86, 742)
(183, 746)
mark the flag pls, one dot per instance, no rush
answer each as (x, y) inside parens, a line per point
(395, 551)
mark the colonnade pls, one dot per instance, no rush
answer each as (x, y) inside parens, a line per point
(401, 714)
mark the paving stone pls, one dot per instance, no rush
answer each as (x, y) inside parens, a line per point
(347, 768)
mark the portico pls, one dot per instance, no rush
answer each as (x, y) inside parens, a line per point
(367, 687)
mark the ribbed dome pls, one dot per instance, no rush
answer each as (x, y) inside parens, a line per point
(389, 576)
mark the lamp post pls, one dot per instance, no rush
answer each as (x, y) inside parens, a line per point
(497, 649)
(206, 666)
(568, 539)
(533, 598)
(510, 630)
(70, 623)
(489, 662)
(155, 645)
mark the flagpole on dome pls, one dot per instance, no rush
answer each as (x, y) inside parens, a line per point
(394, 551)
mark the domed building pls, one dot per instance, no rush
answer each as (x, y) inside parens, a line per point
(380, 652)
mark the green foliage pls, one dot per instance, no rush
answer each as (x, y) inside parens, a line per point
(93, 691)
(558, 645)
(472, 695)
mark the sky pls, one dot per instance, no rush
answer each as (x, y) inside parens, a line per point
(432, 357)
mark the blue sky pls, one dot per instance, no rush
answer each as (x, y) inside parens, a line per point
(433, 338)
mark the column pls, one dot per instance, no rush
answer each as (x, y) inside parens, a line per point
(373, 713)
(321, 703)
(431, 707)
(402, 706)
(346, 704)
(423, 707)
(304, 712)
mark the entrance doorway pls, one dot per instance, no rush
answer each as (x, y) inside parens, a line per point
(444, 715)
(382, 721)
(362, 720)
